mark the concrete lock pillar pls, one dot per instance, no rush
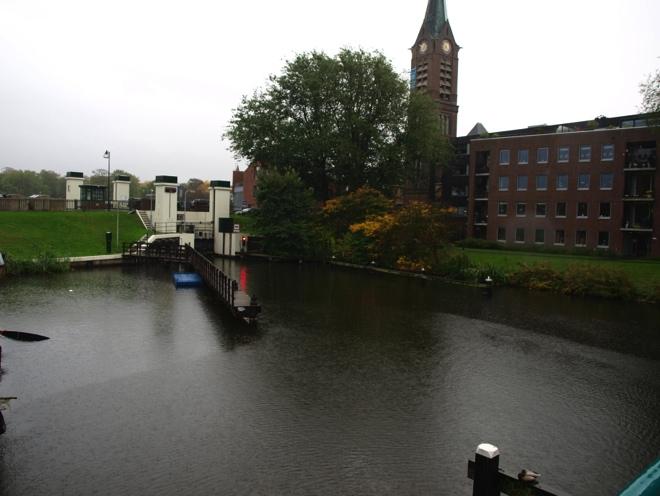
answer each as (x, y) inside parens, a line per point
(219, 203)
(121, 187)
(73, 182)
(164, 214)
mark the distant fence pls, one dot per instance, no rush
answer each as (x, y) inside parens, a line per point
(56, 205)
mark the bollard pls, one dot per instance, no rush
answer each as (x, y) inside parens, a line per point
(487, 465)
(108, 242)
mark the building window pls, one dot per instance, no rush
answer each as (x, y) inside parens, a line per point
(583, 181)
(522, 183)
(606, 180)
(539, 236)
(523, 156)
(607, 153)
(505, 157)
(582, 210)
(560, 211)
(605, 210)
(585, 153)
(542, 155)
(501, 234)
(603, 239)
(504, 183)
(541, 209)
(520, 235)
(502, 208)
(559, 237)
(581, 238)
(521, 209)
(562, 182)
(563, 154)
(542, 183)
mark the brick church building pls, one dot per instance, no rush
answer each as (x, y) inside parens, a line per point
(586, 185)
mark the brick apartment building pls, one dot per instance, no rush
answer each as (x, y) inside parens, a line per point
(243, 183)
(588, 185)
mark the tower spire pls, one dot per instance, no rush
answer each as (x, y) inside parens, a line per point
(436, 16)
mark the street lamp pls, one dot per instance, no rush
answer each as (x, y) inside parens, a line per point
(107, 155)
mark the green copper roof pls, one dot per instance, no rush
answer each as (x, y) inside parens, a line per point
(436, 16)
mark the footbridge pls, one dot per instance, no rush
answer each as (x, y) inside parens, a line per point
(241, 304)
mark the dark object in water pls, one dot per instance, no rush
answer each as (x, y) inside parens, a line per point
(3, 426)
(22, 336)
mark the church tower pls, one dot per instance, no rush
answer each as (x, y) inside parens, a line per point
(434, 66)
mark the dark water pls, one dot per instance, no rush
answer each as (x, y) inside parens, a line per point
(353, 384)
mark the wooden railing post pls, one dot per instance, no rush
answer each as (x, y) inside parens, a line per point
(486, 470)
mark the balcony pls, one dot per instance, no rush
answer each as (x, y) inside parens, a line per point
(482, 166)
(641, 157)
(647, 196)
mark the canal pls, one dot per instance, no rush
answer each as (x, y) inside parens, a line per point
(353, 384)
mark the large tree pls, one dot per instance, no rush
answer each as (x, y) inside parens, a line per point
(286, 215)
(426, 149)
(650, 91)
(336, 121)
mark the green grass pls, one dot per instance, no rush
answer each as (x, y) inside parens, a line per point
(26, 235)
(644, 274)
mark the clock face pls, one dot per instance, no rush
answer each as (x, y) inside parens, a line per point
(446, 46)
(423, 47)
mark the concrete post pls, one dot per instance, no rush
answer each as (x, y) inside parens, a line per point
(121, 187)
(219, 205)
(164, 215)
(73, 181)
(487, 465)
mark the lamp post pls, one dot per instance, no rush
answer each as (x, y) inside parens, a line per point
(107, 155)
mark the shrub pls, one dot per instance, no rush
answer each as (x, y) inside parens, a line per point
(44, 263)
(535, 276)
(595, 280)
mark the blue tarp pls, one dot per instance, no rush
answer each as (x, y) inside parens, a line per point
(187, 279)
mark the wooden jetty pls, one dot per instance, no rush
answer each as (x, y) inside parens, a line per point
(240, 304)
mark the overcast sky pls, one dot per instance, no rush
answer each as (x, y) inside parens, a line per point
(155, 81)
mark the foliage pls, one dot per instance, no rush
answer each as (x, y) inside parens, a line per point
(194, 189)
(417, 231)
(650, 91)
(26, 182)
(336, 121)
(44, 263)
(425, 146)
(286, 215)
(594, 280)
(540, 276)
(339, 213)
(45, 182)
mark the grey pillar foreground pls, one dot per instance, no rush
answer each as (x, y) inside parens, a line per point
(486, 469)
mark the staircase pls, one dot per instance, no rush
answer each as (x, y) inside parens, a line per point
(145, 218)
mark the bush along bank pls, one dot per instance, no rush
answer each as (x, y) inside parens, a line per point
(44, 263)
(583, 280)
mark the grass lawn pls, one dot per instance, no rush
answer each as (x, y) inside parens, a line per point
(25, 235)
(644, 274)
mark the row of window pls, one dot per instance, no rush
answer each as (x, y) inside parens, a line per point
(541, 210)
(559, 239)
(563, 154)
(606, 182)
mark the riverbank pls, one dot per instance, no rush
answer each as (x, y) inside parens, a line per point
(29, 235)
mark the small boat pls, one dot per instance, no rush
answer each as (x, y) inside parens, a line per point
(22, 336)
